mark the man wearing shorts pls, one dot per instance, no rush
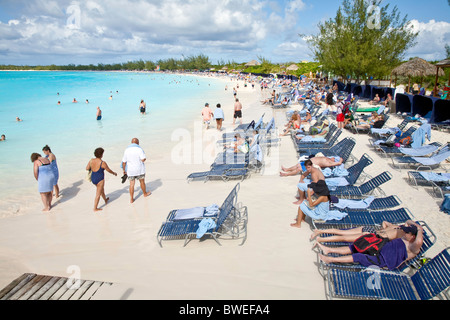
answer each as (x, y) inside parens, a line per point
(207, 114)
(134, 167)
(237, 111)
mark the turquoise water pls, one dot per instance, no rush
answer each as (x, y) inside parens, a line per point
(71, 129)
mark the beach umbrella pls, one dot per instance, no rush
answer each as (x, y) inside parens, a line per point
(252, 63)
(416, 67)
(292, 67)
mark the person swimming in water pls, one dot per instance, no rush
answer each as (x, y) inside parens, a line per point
(75, 100)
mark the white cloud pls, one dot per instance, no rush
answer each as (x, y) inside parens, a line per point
(431, 41)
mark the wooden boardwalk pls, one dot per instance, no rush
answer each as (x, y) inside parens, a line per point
(31, 286)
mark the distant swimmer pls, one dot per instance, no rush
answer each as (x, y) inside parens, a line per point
(110, 97)
(59, 103)
(3, 137)
(18, 119)
(87, 101)
(99, 113)
(142, 107)
(75, 100)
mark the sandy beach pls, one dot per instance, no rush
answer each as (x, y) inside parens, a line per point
(119, 244)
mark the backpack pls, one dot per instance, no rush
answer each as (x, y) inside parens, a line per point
(370, 244)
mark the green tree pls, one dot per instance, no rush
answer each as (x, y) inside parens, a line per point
(363, 40)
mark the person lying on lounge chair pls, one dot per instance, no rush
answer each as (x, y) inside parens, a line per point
(376, 99)
(388, 230)
(322, 162)
(321, 134)
(376, 121)
(391, 255)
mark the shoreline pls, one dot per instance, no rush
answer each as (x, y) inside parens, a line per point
(119, 244)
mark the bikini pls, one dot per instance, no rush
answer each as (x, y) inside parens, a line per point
(98, 175)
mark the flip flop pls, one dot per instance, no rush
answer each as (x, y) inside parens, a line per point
(124, 178)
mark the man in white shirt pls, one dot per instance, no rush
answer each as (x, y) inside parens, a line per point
(134, 167)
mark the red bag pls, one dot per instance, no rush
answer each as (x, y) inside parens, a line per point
(370, 244)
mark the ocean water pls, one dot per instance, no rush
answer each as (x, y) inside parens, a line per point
(71, 129)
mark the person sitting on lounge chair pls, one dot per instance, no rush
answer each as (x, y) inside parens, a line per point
(239, 144)
(376, 121)
(317, 203)
(376, 99)
(391, 255)
(293, 124)
(321, 134)
(322, 162)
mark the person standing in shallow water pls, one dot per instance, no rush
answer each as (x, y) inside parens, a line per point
(99, 113)
(45, 177)
(98, 167)
(142, 107)
(48, 154)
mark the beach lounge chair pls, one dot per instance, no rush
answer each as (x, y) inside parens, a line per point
(416, 152)
(423, 162)
(333, 129)
(366, 189)
(365, 218)
(376, 204)
(341, 149)
(430, 281)
(439, 181)
(429, 239)
(229, 223)
(310, 148)
(374, 132)
(377, 144)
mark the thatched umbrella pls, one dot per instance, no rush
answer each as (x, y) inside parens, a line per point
(252, 63)
(292, 67)
(416, 67)
(441, 64)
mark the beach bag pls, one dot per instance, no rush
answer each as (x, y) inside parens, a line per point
(89, 176)
(406, 141)
(370, 244)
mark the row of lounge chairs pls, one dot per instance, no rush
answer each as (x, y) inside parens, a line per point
(229, 221)
(352, 281)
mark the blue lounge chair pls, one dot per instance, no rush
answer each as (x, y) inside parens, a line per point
(429, 239)
(430, 281)
(367, 188)
(377, 204)
(416, 152)
(310, 148)
(365, 218)
(377, 146)
(230, 223)
(439, 181)
(423, 162)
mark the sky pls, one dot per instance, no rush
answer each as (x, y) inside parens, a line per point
(43, 32)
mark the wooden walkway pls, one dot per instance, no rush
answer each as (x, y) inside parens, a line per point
(31, 286)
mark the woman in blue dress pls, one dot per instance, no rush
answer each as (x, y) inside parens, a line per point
(97, 167)
(45, 177)
(48, 154)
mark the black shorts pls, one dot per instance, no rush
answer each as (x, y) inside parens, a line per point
(238, 114)
(142, 110)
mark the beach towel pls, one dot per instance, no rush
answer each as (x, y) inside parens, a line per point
(418, 152)
(211, 210)
(433, 176)
(332, 183)
(420, 134)
(384, 131)
(191, 213)
(354, 204)
(312, 139)
(204, 226)
(433, 160)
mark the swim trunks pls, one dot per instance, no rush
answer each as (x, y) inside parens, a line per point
(142, 110)
(99, 118)
(340, 117)
(140, 177)
(238, 114)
